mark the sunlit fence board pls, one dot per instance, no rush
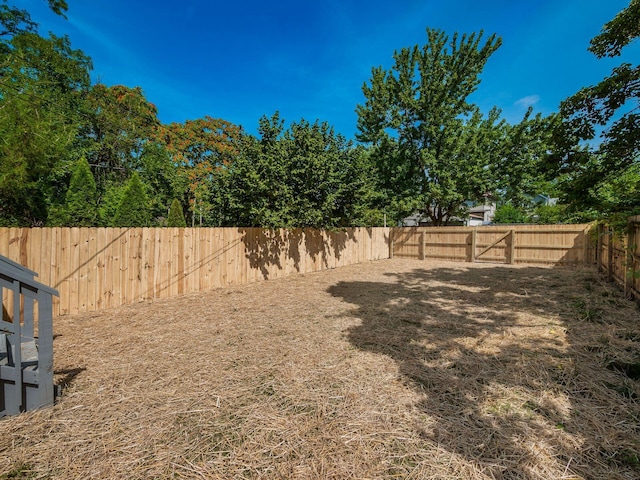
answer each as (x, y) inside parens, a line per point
(530, 244)
(98, 268)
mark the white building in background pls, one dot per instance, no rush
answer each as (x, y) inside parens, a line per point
(481, 215)
(478, 215)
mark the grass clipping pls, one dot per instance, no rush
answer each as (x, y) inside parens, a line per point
(394, 368)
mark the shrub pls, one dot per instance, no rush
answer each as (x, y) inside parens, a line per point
(133, 210)
(507, 213)
(176, 215)
(80, 201)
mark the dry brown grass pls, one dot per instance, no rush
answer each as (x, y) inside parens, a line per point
(392, 369)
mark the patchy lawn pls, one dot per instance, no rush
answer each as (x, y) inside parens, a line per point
(394, 368)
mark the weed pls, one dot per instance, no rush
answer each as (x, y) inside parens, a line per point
(23, 472)
(627, 457)
(586, 312)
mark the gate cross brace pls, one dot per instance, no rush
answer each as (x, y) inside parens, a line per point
(486, 249)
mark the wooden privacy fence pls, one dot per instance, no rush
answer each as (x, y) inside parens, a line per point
(545, 244)
(618, 256)
(98, 268)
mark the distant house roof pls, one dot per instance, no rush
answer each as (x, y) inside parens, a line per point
(542, 199)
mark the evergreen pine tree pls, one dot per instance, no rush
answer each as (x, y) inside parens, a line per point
(134, 209)
(176, 215)
(80, 202)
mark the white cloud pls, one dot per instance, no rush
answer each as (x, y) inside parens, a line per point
(528, 101)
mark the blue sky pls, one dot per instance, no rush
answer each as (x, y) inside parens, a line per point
(239, 60)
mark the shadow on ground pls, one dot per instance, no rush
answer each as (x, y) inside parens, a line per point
(513, 365)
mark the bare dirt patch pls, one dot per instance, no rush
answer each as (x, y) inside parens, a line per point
(390, 369)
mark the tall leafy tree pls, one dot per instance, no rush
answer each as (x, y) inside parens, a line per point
(42, 86)
(302, 176)
(202, 149)
(162, 179)
(608, 110)
(520, 168)
(14, 21)
(433, 148)
(119, 122)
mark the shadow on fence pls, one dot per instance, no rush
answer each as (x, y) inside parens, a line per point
(265, 249)
(98, 268)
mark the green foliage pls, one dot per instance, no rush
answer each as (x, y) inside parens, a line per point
(618, 33)
(305, 176)
(519, 171)
(550, 214)
(58, 6)
(433, 149)
(162, 179)
(176, 216)
(12, 22)
(118, 123)
(80, 201)
(508, 213)
(133, 210)
(110, 201)
(42, 81)
(589, 172)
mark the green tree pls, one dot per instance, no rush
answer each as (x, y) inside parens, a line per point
(302, 176)
(508, 213)
(119, 122)
(176, 216)
(550, 214)
(433, 148)
(162, 179)
(42, 86)
(80, 209)
(133, 210)
(520, 168)
(609, 109)
(202, 149)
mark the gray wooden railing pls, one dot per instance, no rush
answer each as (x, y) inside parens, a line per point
(26, 358)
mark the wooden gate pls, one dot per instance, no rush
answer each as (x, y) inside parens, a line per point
(530, 244)
(493, 247)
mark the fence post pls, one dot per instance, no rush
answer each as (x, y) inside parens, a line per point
(512, 247)
(634, 255)
(472, 256)
(628, 271)
(599, 247)
(391, 230)
(422, 246)
(586, 239)
(610, 255)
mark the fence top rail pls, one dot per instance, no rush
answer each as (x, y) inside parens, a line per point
(503, 228)
(14, 270)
